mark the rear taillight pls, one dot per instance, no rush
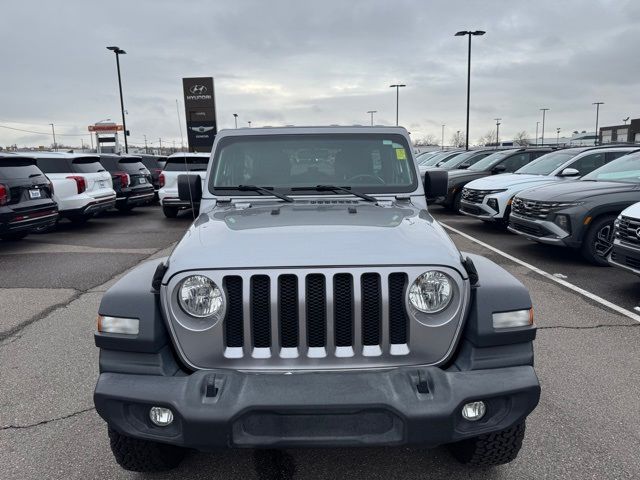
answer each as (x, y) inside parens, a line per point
(124, 179)
(81, 184)
(51, 188)
(4, 194)
(161, 180)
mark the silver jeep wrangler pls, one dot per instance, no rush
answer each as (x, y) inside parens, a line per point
(315, 302)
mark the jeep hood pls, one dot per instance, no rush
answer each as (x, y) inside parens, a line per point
(303, 234)
(577, 191)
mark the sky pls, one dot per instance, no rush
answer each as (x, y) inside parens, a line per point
(283, 62)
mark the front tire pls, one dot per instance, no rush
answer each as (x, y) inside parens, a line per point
(598, 241)
(170, 212)
(456, 203)
(144, 456)
(490, 449)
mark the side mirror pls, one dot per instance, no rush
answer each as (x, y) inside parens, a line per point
(464, 166)
(569, 172)
(435, 183)
(190, 188)
(498, 169)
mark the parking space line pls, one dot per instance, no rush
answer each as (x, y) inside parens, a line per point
(564, 283)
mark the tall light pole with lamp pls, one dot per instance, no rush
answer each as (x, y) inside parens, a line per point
(470, 34)
(597, 104)
(55, 144)
(497, 131)
(118, 51)
(371, 112)
(544, 111)
(397, 86)
(235, 119)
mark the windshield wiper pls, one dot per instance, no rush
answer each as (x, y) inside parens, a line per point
(335, 188)
(255, 188)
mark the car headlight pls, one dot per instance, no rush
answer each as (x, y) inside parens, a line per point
(200, 297)
(431, 292)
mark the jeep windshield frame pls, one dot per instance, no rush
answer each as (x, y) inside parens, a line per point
(375, 163)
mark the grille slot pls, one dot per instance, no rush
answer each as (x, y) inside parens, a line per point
(288, 302)
(371, 309)
(316, 310)
(233, 322)
(531, 208)
(343, 309)
(316, 315)
(627, 230)
(260, 311)
(398, 319)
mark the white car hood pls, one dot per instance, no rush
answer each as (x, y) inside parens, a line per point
(633, 211)
(511, 181)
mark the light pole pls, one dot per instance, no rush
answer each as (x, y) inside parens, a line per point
(558, 136)
(597, 104)
(55, 144)
(442, 142)
(249, 122)
(497, 131)
(146, 149)
(118, 51)
(469, 34)
(537, 123)
(544, 111)
(397, 86)
(235, 119)
(371, 112)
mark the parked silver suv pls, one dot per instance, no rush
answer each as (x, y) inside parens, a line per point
(315, 302)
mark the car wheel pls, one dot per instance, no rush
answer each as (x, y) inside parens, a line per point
(490, 449)
(598, 241)
(142, 455)
(455, 206)
(170, 212)
(11, 237)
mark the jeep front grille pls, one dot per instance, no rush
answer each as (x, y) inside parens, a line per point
(316, 318)
(330, 318)
(628, 231)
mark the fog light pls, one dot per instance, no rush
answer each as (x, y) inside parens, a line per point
(493, 203)
(474, 411)
(161, 416)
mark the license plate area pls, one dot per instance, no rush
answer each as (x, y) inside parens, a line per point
(365, 427)
(35, 193)
(143, 180)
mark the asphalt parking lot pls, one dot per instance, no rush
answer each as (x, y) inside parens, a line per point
(586, 426)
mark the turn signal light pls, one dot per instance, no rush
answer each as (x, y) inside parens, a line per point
(514, 319)
(126, 326)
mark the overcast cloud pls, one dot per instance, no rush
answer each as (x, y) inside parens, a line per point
(315, 63)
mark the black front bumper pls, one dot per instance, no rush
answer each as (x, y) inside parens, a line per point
(625, 257)
(376, 407)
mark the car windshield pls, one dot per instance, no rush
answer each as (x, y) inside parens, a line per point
(442, 156)
(182, 163)
(546, 163)
(625, 169)
(423, 157)
(488, 162)
(467, 157)
(374, 162)
(132, 165)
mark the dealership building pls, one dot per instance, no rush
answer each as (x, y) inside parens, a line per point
(627, 133)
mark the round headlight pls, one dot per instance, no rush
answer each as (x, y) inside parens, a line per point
(200, 297)
(431, 292)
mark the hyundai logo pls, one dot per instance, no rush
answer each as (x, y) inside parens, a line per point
(197, 89)
(638, 232)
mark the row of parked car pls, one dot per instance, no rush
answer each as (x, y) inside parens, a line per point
(38, 189)
(585, 198)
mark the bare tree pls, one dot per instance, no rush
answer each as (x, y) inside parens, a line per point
(488, 138)
(428, 140)
(521, 139)
(457, 139)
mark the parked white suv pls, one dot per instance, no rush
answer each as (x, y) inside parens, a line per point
(81, 185)
(489, 198)
(178, 164)
(625, 252)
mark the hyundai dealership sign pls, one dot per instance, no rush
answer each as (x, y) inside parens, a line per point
(200, 111)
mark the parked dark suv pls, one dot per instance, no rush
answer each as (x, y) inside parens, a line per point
(502, 161)
(579, 214)
(131, 180)
(155, 164)
(25, 198)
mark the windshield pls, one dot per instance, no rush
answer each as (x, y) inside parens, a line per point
(442, 156)
(423, 157)
(488, 162)
(378, 163)
(466, 157)
(547, 163)
(132, 165)
(625, 169)
(183, 163)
